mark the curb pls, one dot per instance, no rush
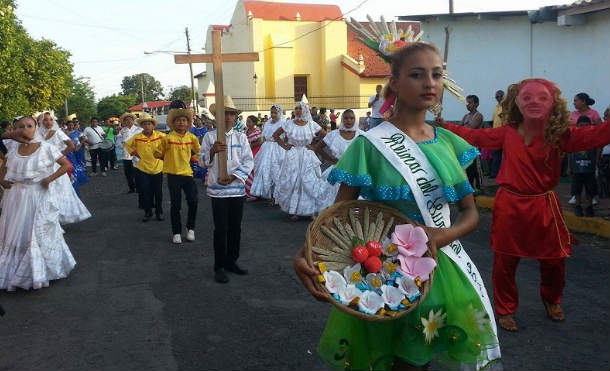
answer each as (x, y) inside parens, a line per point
(597, 226)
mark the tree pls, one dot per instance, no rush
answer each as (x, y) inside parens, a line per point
(34, 75)
(115, 105)
(81, 100)
(133, 85)
(183, 93)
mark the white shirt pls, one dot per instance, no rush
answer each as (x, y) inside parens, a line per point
(240, 163)
(606, 150)
(95, 136)
(376, 106)
(124, 135)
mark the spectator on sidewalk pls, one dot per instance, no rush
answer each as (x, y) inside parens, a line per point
(582, 101)
(95, 136)
(473, 119)
(324, 122)
(497, 122)
(582, 167)
(375, 103)
(333, 119)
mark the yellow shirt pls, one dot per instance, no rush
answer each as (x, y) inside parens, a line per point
(176, 151)
(497, 120)
(145, 147)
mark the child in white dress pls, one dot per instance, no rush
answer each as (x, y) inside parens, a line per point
(32, 247)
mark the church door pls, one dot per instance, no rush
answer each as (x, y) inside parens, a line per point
(300, 87)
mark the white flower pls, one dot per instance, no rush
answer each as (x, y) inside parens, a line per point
(392, 296)
(352, 274)
(370, 302)
(389, 249)
(334, 282)
(432, 324)
(407, 285)
(348, 294)
(374, 281)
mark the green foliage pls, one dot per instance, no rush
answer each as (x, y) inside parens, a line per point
(81, 101)
(115, 105)
(34, 74)
(133, 85)
(183, 93)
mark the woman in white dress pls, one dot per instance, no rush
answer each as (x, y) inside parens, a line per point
(331, 149)
(300, 171)
(268, 161)
(32, 247)
(71, 208)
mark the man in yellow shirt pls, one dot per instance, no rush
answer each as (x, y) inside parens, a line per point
(150, 176)
(496, 159)
(176, 149)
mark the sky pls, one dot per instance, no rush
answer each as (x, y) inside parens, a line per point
(107, 39)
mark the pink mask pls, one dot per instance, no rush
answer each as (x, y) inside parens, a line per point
(535, 101)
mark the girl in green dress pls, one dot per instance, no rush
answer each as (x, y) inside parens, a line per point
(454, 323)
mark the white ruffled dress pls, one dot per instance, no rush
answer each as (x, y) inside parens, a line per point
(267, 163)
(300, 171)
(32, 247)
(336, 146)
(71, 208)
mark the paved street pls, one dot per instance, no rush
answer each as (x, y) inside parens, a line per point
(137, 302)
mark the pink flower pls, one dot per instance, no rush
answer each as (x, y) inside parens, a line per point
(415, 266)
(411, 241)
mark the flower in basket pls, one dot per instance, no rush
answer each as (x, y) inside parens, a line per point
(392, 296)
(370, 302)
(407, 285)
(348, 293)
(375, 281)
(410, 240)
(334, 282)
(352, 274)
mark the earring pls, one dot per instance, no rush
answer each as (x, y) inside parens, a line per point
(436, 109)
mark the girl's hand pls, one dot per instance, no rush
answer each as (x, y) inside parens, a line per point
(5, 184)
(45, 183)
(439, 121)
(218, 147)
(307, 275)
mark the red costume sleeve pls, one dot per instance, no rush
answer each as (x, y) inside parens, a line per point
(585, 138)
(480, 138)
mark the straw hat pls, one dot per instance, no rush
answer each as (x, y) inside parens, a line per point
(229, 106)
(128, 114)
(174, 113)
(146, 117)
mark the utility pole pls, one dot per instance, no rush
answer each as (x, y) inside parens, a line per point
(142, 87)
(188, 48)
(450, 6)
(66, 106)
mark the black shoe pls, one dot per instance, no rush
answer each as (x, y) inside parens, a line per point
(131, 191)
(589, 211)
(160, 217)
(146, 218)
(220, 276)
(578, 210)
(234, 268)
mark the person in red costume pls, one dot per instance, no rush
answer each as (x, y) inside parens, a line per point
(527, 217)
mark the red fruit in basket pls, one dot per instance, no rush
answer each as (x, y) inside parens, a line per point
(372, 264)
(360, 254)
(374, 248)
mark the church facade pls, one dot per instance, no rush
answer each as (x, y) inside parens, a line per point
(303, 49)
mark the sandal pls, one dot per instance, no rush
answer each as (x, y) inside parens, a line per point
(508, 323)
(554, 312)
(293, 218)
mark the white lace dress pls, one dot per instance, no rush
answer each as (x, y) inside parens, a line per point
(267, 163)
(32, 247)
(300, 171)
(336, 146)
(71, 208)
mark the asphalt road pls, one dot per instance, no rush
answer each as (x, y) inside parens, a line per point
(137, 302)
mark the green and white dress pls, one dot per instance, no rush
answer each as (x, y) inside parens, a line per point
(466, 334)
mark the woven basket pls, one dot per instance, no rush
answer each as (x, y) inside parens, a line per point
(341, 211)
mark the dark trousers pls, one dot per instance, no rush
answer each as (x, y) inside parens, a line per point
(103, 158)
(496, 161)
(130, 174)
(112, 156)
(227, 213)
(177, 184)
(150, 186)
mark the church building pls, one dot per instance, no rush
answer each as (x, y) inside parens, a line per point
(303, 49)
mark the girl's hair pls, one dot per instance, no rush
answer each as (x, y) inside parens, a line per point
(253, 118)
(559, 120)
(586, 98)
(398, 59)
(177, 104)
(584, 120)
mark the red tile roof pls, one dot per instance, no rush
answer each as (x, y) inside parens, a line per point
(288, 11)
(151, 104)
(221, 27)
(374, 65)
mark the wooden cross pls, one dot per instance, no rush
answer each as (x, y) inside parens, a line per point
(217, 58)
